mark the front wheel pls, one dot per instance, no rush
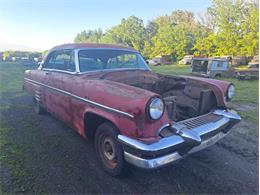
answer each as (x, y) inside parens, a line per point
(108, 150)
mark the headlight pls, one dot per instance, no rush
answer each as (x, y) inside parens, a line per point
(155, 108)
(230, 92)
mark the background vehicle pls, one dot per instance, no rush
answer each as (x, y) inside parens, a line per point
(251, 72)
(159, 60)
(186, 59)
(209, 67)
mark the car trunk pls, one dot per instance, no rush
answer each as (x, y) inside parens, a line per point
(183, 97)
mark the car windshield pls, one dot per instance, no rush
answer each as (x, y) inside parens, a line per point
(109, 59)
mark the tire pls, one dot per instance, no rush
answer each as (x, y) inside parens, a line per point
(109, 152)
(38, 109)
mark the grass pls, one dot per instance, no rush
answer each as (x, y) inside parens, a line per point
(12, 153)
(11, 76)
(172, 69)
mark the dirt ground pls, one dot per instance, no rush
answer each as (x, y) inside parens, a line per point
(54, 159)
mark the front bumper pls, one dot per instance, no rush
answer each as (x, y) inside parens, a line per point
(182, 139)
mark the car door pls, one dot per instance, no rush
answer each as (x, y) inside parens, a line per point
(59, 68)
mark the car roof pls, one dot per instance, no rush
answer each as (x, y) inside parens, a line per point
(92, 46)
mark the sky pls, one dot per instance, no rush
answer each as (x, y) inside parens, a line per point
(42, 24)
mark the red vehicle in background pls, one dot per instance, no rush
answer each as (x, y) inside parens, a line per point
(109, 94)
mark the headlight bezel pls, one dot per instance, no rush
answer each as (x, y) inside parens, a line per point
(230, 92)
(148, 106)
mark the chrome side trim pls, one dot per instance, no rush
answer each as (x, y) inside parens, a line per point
(151, 163)
(80, 98)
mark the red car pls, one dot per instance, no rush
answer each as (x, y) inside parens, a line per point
(109, 94)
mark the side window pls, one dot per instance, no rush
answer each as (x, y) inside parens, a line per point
(61, 60)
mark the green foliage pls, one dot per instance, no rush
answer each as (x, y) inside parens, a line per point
(234, 29)
(172, 35)
(92, 36)
(130, 32)
(227, 28)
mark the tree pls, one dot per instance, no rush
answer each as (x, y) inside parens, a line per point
(130, 32)
(250, 28)
(235, 27)
(228, 27)
(91, 36)
(175, 35)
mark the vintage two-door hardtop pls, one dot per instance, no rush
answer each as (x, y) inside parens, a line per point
(109, 94)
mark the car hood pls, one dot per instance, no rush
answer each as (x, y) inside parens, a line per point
(114, 79)
(115, 94)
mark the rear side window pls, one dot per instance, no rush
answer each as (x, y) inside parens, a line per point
(61, 60)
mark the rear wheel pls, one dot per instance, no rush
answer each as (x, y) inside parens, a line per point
(108, 150)
(38, 109)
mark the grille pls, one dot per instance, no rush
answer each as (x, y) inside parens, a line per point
(201, 120)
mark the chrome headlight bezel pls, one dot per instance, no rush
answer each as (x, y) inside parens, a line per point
(230, 92)
(155, 108)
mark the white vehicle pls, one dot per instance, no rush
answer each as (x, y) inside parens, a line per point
(186, 59)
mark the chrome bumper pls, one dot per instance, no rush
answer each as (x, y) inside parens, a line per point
(185, 140)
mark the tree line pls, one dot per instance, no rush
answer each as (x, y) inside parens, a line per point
(11, 55)
(228, 27)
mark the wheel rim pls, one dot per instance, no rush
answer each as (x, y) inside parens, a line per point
(107, 151)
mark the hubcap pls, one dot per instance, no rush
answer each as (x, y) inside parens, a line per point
(107, 151)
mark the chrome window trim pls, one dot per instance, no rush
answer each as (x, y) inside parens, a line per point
(80, 98)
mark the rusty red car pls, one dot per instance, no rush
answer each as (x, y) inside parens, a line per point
(135, 116)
